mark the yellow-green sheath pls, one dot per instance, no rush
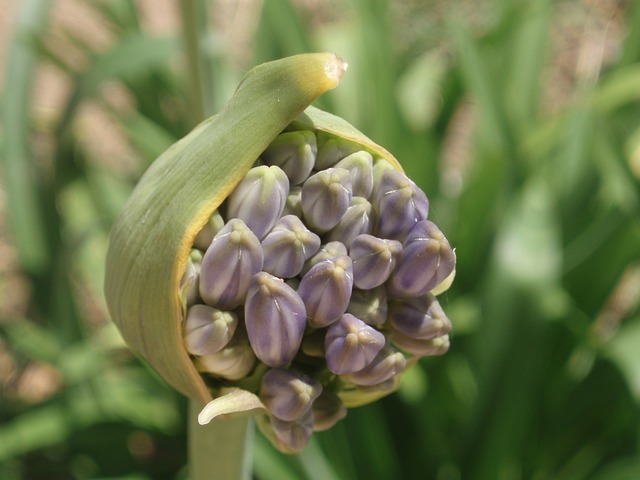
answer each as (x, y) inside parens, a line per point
(151, 239)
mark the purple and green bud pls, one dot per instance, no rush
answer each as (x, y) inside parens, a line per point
(326, 195)
(328, 410)
(233, 362)
(293, 205)
(293, 434)
(350, 345)
(420, 318)
(208, 232)
(295, 153)
(332, 149)
(327, 251)
(400, 205)
(288, 394)
(207, 330)
(326, 289)
(189, 283)
(260, 198)
(370, 306)
(386, 365)
(373, 260)
(426, 260)
(287, 246)
(275, 318)
(420, 347)
(356, 220)
(360, 167)
(234, 256)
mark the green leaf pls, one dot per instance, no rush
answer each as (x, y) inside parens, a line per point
(21, 181)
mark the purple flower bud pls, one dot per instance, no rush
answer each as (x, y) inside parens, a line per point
(326, 195)
(360, 166)
(294, 153)
(327, 251)
(426, 260)
(326, 289)
(235, 255)
(287, 394)
(373, 260)
(233, 362)
(350, 345)
(328, 410)
(332, 149)
(287, 246)
(259, 198)
(294, 435)
(190, 281)
(293, 205)
(418, 346)
(370, 306)
(275, 317)
(386, 365)
(207, 329)
(380, 167)
(420, 317)
(400, 205)
(355, 221)
(211, 228)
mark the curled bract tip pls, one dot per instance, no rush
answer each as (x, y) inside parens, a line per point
(235, 401)
(336, 68)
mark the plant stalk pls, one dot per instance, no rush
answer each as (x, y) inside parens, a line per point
(200, 77)
(221, 449)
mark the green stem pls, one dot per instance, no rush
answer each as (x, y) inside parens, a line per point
(200, 77)
(221, 449)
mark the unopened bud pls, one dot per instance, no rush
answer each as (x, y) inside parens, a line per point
(275, 317)
(400, 205)
(233, 362)
(326, 289)
(295, 153)
(326, 195)
(235, 255)
(293, 205)
(208, 232)
(387, 364)
(331, 150)
(351, 345)
(426, 260)
(370, 306)
(294, 434)
(287, 246)
(207, 329)
(189, 283)
(327, 251)
(373, 260)
(420, 347)
(360, 166)
(356, 220)
(328, 410)
(288, 394)
(420, 317)
(259, 198)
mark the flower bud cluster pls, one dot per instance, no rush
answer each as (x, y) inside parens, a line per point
(315, 278)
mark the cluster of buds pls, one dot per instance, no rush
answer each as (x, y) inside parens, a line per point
(314, 283)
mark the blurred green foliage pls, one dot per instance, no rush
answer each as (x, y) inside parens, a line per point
(521, 121)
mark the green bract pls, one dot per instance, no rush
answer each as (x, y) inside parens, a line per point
(151, 239)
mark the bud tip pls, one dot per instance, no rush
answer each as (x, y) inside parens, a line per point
(335, 68)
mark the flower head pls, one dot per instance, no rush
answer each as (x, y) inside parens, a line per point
(330, 279)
